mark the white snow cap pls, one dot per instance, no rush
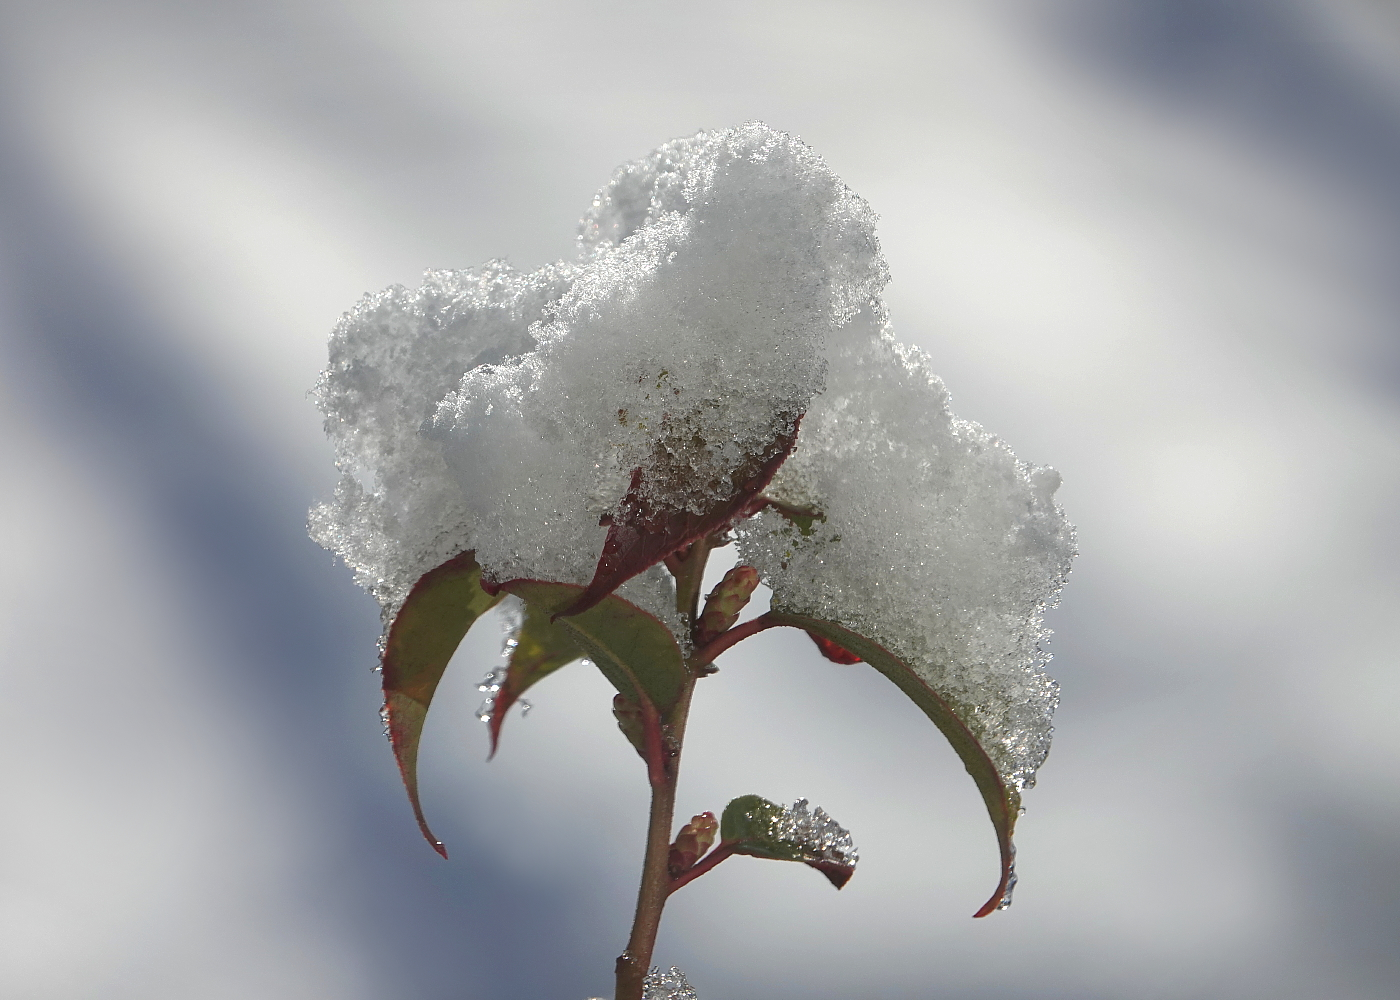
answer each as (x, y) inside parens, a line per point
(504, 412)
(727, 284)
(937, 543)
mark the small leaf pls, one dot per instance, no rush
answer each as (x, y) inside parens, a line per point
(1003, 803)
(541, 647)
(633, 649)
(800, 517)
(725, 602)
(425, 633)
(695, 838)
(754, 826)
(832, 651)
(644, 532)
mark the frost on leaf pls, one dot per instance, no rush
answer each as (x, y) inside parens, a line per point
(579, 422)
(536, 647)
(647, 527)
(763, 829)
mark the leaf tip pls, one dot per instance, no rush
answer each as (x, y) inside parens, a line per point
(1001, 899)
(837, 873)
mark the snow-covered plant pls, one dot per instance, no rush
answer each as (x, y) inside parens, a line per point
(716, 368)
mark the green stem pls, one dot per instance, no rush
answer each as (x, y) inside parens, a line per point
(690, 577)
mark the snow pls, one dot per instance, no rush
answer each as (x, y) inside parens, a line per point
(727, 284)
(505, 411)
(937, 542)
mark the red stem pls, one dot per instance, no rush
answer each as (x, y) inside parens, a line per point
(725, 849)
(656, 751)
(707, 653)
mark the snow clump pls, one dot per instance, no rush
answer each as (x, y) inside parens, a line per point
(727, 286)
(505, 411)
(935, 541)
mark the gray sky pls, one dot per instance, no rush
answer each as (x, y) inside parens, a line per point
(1152, 244)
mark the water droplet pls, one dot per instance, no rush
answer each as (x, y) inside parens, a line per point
(1005, 903)
(525, 707)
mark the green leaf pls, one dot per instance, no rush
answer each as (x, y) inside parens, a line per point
(761, 829)
(1003, 803)
(541, 647)
(425, 633)
(633, 649)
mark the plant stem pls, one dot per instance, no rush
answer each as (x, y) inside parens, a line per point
(724, 640)
(632, 964)
(663, 768)
(690, 578)
(721, 852)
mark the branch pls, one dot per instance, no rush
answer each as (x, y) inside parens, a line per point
(706, 653)
(723, 850)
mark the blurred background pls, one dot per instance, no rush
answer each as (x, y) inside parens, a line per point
(1152, 243)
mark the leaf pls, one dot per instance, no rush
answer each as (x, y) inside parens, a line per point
(425, 633)
(633, 649)
(761, 829)
(643, 532)
(541, 648)
(802, 518)
(1003, 803)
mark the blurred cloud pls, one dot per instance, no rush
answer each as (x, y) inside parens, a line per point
(1152, 244)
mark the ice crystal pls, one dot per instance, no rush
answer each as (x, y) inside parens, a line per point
(815, 833)
(668, 985)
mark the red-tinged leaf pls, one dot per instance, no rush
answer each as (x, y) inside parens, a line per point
(643, 532)
(836, 873)
(832, 651)
(722, 607)
(541, 647)
(633, 649)
(754, 826)
(1003, 803)
(439, 610)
